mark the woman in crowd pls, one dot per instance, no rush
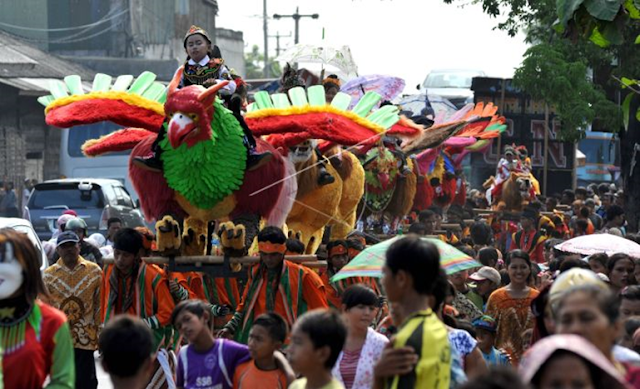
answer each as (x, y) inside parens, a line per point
(621, 271)
(363, 347)
(546, 364)
(511, 305)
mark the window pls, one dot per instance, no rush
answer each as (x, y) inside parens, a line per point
(80, 134)
(123, 197)
(65, 196)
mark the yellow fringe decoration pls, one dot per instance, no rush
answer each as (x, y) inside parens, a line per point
(295, 110)
(131, 99)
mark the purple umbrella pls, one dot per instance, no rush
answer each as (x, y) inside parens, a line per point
(386, 86)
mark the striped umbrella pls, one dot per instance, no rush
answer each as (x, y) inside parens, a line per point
(369, 262)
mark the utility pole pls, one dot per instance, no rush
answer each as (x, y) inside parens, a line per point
(296, 18)
(266, 39)
(278, 36)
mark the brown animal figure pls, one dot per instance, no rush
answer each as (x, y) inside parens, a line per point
(515, 192)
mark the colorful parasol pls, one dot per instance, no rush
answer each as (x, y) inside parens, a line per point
(369, 262)
(600, 243)
(386, 86)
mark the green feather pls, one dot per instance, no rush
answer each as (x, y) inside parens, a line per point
(209, 171)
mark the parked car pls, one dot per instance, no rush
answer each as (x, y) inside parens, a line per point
(94, 200)
(452, 84)
(22, 225)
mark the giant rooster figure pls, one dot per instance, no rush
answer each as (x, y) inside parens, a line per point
(205, 176)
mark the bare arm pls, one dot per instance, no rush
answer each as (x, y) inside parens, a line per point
(474, 364)
(283, 364)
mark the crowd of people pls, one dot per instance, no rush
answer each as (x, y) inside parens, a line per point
(527, 315)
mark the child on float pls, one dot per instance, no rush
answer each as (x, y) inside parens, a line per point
(204, 66)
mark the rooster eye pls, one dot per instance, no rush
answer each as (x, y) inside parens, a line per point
(193, 116)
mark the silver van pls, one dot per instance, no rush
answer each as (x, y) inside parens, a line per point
(95, 200)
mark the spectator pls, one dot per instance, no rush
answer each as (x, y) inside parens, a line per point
(266, 337)
(596, 219)
(466, 301)
(630, 302)
(568, 197)
(114, 225)
(9, 203)
(529, 239)
(599, 263)
(317, 339)
(615, 219)
(87, 250)
(74, 286)
(510, 305)
(486, 334)
(410, 272)
(549, 361)
(126, 344)
(363, 347)
(487, 280)
(488, 256)
(206, 361)
(620, 271)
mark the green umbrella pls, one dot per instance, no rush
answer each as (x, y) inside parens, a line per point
(369, 262)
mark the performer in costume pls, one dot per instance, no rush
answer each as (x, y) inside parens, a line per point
(35, 341)
(529, 239)
(338, 257)
(275, 285)
(131, 286)
(205, 66)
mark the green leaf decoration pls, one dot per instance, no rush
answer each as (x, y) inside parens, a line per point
(280, 100)
(625, 110)
(58, 89)
(45, 100)
(298, 96)
(211, 170)
(603, 9)
(122, 83)
(144, 81)
(154, 92)
(74, 83)
(263, 100)
(341, 101)
(368, 101)
(316, 95)
(101, 83)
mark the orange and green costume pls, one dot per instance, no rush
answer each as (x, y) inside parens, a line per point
(289, 291)
(143, 293)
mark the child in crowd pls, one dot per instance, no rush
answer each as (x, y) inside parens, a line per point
(206, 361)
(205, 66)
(266, 337)
(486, 335)
(126, 344)
(316, 341)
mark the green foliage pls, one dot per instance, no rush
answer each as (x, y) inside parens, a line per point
(254, 63)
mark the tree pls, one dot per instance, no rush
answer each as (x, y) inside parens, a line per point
(570, 37)
(254, 64)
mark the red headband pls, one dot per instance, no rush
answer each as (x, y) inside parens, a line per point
(337, 250)
(270, 248)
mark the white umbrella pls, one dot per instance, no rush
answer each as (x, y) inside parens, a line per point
(600, 243)
(339, 57)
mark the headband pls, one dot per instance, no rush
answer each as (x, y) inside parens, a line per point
(337, 250)
(271, 248)
(353, 252)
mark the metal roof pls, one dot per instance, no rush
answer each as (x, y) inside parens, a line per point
(21, 65)
(35, 86)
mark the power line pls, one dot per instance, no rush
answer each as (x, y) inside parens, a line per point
(85, 26)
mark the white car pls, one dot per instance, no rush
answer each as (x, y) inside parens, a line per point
(24, 226)
(452, 84)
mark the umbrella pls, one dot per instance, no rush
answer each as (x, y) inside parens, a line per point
(339, 57)
(600, 243)
(386, 86)
(369, 262)
(422, 104)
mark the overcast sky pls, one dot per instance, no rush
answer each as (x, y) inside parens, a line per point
(405, 38)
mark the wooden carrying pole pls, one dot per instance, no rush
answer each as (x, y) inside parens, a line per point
(307, 260)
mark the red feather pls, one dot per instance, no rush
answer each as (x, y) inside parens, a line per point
(121, 140)
(156, 198)
(104, 110)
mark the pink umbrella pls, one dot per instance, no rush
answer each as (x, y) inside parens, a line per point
(600, 243)
(386, 86)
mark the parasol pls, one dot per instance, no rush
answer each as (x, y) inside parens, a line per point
(339, 57)
(386, 86)
(369, 262)
(600, 243)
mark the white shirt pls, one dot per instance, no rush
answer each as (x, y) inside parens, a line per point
(230, 88)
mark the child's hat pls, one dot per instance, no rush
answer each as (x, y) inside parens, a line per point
(485, 323)
(193, 30)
